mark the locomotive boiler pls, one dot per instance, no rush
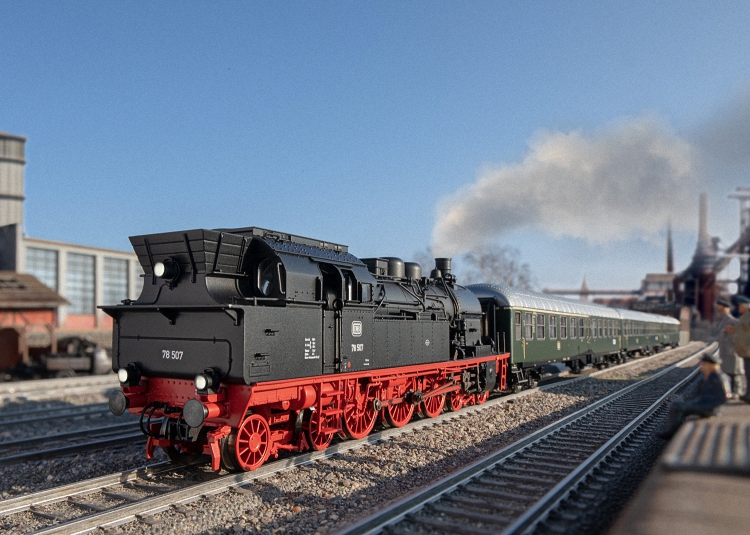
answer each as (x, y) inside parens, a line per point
(248, 342)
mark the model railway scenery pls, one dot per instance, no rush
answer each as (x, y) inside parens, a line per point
(398, 268)
(249, 342)
(252, 352)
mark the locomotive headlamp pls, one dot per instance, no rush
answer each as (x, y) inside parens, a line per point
(122, 375)
(130, 375)
(201, 382)
(168, 270)
(207, 382)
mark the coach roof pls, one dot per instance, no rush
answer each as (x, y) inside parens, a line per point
(635, 315)
(506, 296)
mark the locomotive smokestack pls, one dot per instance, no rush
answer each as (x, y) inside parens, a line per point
(444, 265)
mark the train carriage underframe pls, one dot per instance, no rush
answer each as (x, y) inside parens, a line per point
(241, 426)
(528, 375)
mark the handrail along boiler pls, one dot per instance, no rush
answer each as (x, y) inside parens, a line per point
(247, 342)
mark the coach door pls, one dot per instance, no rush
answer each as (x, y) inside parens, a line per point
(528, 330)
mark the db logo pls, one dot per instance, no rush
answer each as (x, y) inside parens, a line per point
(356, 328)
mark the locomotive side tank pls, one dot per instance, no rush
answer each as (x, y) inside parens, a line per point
(249, 341)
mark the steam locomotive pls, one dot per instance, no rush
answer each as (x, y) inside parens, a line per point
(248, 342)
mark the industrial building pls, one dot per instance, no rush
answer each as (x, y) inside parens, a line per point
(81, 276)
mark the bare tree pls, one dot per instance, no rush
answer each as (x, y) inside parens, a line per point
(498, 264)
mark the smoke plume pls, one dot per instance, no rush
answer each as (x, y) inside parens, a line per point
(622, 182)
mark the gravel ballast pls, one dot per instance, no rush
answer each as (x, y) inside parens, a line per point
(325, 496)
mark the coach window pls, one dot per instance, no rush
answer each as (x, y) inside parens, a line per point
(594, 328)
(563, 327)
(518, 325)
(528, 326)
(581, 328)
(552, 327)
(540, 326)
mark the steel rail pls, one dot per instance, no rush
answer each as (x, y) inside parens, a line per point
(33, 386)
(412, 504)
(72, 448)
(23, 503)
(631, 362)
(62, 415)
(87, 432)
(46, 410)
(154, 505)
(536, 514)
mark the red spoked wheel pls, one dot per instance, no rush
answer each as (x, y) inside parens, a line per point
(359, 413)
(482, 398)
(253, 443)
(432, 406)
(314, 425)
(401, 414)
(456, 401)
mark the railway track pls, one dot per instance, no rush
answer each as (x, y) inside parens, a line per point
(528, 485)
(20, 418)
(120, 498)
(49, 388)
(17, 451)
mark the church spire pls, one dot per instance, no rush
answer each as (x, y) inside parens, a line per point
(584, 290)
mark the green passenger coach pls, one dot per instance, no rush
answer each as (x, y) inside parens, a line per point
(540, 329)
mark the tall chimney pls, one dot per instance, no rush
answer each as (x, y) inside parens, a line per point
(670, 249)
(703, 237)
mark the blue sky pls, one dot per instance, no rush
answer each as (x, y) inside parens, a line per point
(357, 122)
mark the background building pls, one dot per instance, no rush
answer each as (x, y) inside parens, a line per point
(83, 276)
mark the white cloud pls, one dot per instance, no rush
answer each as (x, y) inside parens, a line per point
(625, 181)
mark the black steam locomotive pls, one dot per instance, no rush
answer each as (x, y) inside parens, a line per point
(247, 342)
